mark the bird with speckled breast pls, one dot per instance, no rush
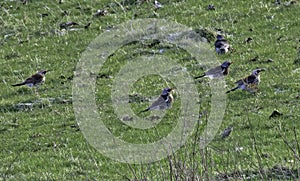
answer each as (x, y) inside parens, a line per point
(35, 80)
(248, 83)
(163, 102)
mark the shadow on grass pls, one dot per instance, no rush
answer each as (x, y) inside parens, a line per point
(241, 95)
(32, 104)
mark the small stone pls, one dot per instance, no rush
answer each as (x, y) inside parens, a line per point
(154, 118)
(101, 12)
(211, 7)
(254, 59)
(227, 132)
(277, 2)
(248, 40)
(24, 106)
(265, 155)
(157, 4)
(274, 114)
(239, 149)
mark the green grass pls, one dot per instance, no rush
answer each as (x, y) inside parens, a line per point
(45, 142)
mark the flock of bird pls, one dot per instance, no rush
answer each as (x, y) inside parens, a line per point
(248, 83)
(165, 100)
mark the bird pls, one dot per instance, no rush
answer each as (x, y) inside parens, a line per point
(227, 132)
(249, 82)
(34, 80)
(217, 72)
(221, 45)
(163, 102)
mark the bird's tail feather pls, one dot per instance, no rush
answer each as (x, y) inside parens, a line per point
(199, 76)
(145, 110)
(20, 84)
(232, 89)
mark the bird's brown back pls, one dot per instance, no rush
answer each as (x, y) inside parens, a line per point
(247, 80)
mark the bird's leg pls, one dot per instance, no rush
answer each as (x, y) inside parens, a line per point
(253, 89)
(257, 91)
(249, 89)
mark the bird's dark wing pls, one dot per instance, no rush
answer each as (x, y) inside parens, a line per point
(251, 79)
(240, 82)
(214, 71)
(225, 71)
(29, 80)
(36, 78)
(160, 103)
(220, 43)
(247, 80)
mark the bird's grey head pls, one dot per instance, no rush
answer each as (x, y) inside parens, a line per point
(257, 71)
(220, 37)
(166, 91)
(43, 72)
(226, 64)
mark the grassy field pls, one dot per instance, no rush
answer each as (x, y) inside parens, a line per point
(41, 140)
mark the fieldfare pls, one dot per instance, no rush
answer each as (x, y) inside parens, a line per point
(227, 132)
(34, 80)
(217, 72)
(248, 83)
(163, 102)
(221, 45)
